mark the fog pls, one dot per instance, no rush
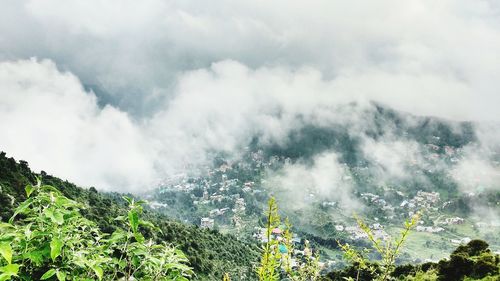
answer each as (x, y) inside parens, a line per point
(120, 94)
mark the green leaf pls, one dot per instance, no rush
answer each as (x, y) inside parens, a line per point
(54, 215)
(50, 188)
(139, 237)
(29, 189)
(36, 257)
(133, 218)
(58, 218)
(147, 224)
(128, 199)
(61, 275)
(27, 231)
(117, 236)
(21, 208)
(120, 218)
(48, 274)
(10, 269)
(55, 248)
(62, 201)
(6, 251)
(98, 271)
(4, 277)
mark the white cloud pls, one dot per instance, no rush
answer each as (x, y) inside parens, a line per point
(420, 56)
(49, 120)
(198, 77)
(476, 173)
(325, 179)
(392, 159)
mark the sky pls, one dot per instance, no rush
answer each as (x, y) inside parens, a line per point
(117, 94)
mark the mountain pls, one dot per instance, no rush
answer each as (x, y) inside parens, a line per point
(379, 163)
(210, 253)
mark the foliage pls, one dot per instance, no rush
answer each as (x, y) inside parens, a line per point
(48, 239)
(144, 259)
(271, 256)
(388, 250)
(209, 252)
(473, 260)
(430, 275)
(274, 261)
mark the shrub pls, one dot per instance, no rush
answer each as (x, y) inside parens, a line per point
(48, 239)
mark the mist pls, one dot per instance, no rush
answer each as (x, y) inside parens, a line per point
(122, 94)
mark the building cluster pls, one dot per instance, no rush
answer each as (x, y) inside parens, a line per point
(422, 201)
(429, 229)
(461, 241)
(356, 233)
(207, 223)
(452, 221)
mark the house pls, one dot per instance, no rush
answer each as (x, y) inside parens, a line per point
(339, 227)
(239, 205)
(157, 205)
(455, 220)
(207, 223)
(329, 204)
(277, 231)
(218, 212)
(461, 241)
(429, 229)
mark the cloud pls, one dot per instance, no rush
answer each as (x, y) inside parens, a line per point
(324, 180)
(147, 88)
(65, 132)
(476, 172)
(51, 121)
(420, 56)
(223, 107)
(392, 159)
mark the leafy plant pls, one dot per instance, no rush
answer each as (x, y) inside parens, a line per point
(388, 250)
(141, 258)
(273, 261)
(48, 239)
(210, 252)
(271, 257)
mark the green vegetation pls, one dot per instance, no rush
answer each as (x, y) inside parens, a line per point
(48, 239)
(473, 261)
(210, 253)
(277, 254)
(388, 250)
(58, 231)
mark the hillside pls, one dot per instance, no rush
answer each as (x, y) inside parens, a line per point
(385, 170)
(210, 253)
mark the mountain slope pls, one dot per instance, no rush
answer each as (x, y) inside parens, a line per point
(210, 253)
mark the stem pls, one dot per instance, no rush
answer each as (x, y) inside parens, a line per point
(268, 234)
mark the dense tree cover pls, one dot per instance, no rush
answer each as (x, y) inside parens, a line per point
(210, 253)
(473, 261)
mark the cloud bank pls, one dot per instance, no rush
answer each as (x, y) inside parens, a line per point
(301, 183)
(50, 120)
(420, 56)
(126, 92)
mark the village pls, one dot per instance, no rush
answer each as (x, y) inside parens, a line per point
(226, 200)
